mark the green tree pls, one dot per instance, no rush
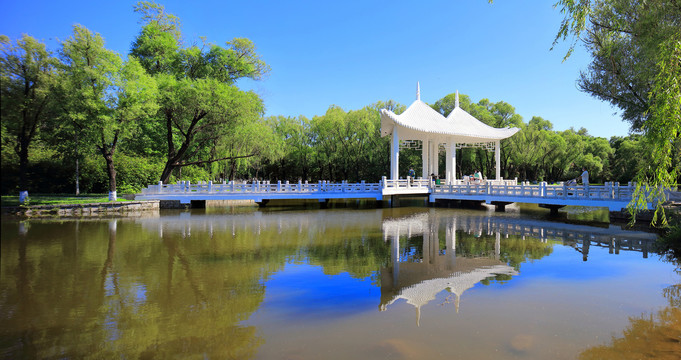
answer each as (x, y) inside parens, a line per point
(199, 103)
(198, 113)
(348, 145)
(27, 72)
(299, 153)
(530, 148)
(635, 48)
(662, 131)
(103, 97)
(624, 40)
(628, 157)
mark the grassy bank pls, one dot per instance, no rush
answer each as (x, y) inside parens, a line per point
(56, 199)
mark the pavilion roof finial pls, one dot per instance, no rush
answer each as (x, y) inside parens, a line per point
(456, 99)
(418, 91)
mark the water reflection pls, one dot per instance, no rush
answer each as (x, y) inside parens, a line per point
(104, 289)
(418, 281)
(417, 275)
(648, 336)
(189, 284)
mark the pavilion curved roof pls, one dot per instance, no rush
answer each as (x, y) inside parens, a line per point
(422, 118)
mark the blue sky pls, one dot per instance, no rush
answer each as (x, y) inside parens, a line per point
(354, 53)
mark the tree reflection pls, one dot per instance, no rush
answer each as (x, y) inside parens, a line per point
(655, 336)
(185, 286)
(104, 298)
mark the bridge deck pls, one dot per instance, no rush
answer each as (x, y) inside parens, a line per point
(611, 195)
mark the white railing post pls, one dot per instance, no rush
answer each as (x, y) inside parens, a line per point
(616, 191)
(542, 189)
(231, 183)
(383, 182)
(632, 188)
(278, 185)
(210, 186)
(565, 190)
(187, 185)
(608, 189)
(160, 187)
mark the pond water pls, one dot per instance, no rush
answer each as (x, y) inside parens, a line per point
(401, 283)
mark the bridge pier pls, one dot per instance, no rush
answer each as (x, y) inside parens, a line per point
(324, 203)
(553, 208)
(172, 204)
(197, 204)
(394, 200)
(448, 203)
(500, 206)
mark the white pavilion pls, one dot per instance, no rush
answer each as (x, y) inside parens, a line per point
(421, 127)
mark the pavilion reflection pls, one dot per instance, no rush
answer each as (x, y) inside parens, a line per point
(420, 280)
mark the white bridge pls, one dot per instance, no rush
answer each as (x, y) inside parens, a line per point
(496, 192)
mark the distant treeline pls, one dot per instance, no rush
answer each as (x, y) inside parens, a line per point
(340, 145)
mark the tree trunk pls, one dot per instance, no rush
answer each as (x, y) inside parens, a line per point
(167, 170)
(77, 167)
(110, 170)
(77, 178)
(23, 164)
(232, 166)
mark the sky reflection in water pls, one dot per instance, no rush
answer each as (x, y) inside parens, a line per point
(307, 284)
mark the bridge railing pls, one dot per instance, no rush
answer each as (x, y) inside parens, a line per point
(410, 182)
(405, 184)
(503, 188)
(609, 191)
(186, 187)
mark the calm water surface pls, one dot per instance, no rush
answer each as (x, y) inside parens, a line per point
(403, 283)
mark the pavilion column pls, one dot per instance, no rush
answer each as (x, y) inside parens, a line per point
(395, 155)
(497, 158)
(433, 158)
(451, 162)
(424, 158)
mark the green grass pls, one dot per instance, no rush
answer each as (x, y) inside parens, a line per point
(56, 199)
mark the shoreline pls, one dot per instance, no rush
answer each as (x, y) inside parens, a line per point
(123, 208)
(85, 209)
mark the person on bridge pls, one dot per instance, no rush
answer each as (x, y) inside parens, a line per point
(584, 177)
(477, 176)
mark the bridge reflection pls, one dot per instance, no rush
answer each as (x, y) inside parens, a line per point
(418, 275)
(431, 250)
